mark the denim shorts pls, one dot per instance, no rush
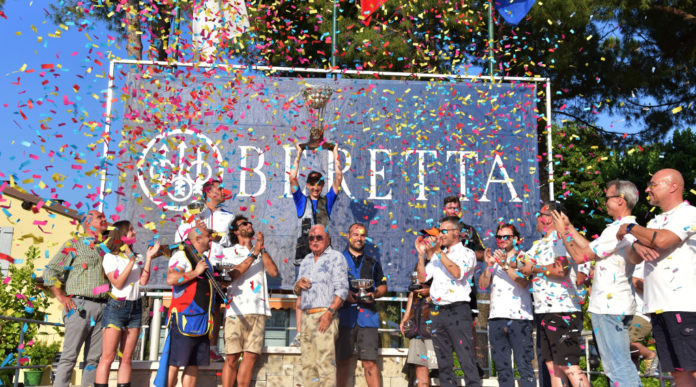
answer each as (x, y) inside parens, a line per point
(123, 314)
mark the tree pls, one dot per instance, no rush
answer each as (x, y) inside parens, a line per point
(619, 57)
(20, 297)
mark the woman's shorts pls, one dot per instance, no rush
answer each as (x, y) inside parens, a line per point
(123, 314)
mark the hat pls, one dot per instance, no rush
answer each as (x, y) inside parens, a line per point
(431, 232)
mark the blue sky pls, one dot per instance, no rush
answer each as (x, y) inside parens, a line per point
(56, 77)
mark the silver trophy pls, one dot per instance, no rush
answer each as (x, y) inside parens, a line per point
(224, 271)
(316, 99)
(415, 282)
(362, 285)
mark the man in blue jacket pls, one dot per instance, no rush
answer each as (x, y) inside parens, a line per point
(358, 320)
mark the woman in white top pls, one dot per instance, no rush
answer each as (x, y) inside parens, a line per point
(122, 316)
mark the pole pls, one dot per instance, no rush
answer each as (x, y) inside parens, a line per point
(549, 138)
(333, 35)
(491, 59)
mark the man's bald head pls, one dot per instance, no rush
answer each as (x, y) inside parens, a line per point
(666, 189)
(672, 176)
(199, 237)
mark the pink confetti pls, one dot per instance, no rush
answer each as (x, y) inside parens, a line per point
(100, 289)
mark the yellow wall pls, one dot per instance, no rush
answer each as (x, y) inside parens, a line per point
(58, 229)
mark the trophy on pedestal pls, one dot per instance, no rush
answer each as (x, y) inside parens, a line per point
(316, 99)
(361, 285)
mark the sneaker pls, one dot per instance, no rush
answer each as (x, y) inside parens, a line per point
(215, 356)
(295, 341)
(651, 366)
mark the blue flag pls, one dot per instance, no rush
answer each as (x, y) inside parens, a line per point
(513, 11)
(163, 370)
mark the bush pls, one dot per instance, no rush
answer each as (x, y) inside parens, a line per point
(41, 353)
(20, 297)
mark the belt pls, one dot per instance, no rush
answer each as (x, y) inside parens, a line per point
(97, 300)
(316, 310)
(452, 305)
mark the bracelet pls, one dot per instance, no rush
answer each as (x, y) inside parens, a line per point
(330, 309)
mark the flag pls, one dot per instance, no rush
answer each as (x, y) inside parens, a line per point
(368, 7)
(513, 11)
(163, 370)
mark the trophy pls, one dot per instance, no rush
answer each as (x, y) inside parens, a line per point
(316, 99)
(224, 271)
(415, 283)
(361, 285)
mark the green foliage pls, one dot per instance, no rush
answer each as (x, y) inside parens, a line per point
(20, 297)
(41, 353)
(579, 154)
(639, 163)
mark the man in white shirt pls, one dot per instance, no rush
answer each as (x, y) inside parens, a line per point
(510, 322)
(451, 267)
(556, 302)
(218, 221)
(668, 247)
(611, 302)
(248, 307)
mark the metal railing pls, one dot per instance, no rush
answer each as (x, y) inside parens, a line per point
(155, 332)
(18, 367)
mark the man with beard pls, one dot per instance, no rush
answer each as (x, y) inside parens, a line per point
(248, 307)
(357, 319)
(451, 267)
(510, 323)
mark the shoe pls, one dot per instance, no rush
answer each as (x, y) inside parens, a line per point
(215, 356)
(295, 341)
(651, 366)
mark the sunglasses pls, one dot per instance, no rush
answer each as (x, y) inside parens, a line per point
(245, 223)
(503, 237)
(317, 238)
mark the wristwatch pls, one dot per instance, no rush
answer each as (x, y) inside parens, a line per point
(333, 312)
(629, 228)
(253, 256)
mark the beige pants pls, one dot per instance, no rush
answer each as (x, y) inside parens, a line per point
(318, 351)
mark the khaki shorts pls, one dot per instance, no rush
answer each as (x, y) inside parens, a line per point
(244, 333)
(640, 329)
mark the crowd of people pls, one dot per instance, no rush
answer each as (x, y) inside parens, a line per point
(643, 277)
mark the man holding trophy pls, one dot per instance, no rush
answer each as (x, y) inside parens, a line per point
(357, 319)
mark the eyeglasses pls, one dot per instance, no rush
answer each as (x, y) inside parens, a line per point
(444, 231)
(245, 223)
(503, 237)
(317, 238)
(613, 196)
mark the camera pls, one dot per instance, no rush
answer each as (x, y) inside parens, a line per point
(415, 283)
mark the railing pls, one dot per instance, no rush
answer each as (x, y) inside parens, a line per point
(18, 367)
(154, 332)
